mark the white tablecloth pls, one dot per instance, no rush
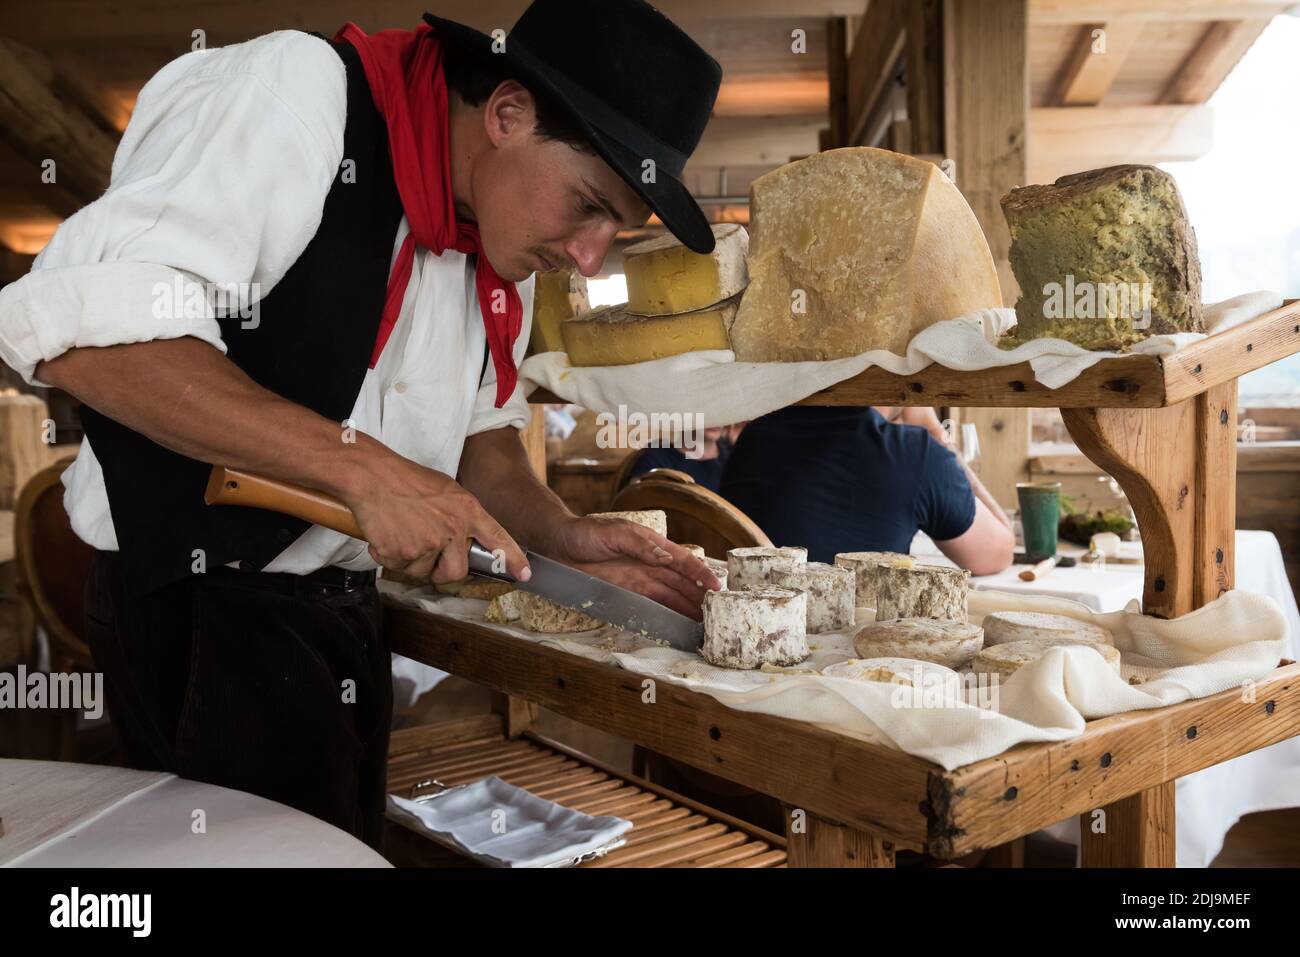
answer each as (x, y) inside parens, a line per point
(1209, 802)
(58, 814)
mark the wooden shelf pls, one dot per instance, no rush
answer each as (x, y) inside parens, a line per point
(1134, 382)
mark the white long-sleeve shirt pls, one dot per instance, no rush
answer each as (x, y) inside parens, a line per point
(221, 177)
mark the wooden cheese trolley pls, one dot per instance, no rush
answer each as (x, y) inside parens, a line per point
(1166, 429)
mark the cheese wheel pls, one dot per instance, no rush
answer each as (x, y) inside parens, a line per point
(719, 569)
(1001, 627)
(664, 277)
(654, 519)
(541, 615)
(558, 296)
(696, 550)
(860, 562)
(1104, 258)
(904, 671)
(1005, 660)
(907, 588)
(754, 566)
(857, 249)
(830, 591)
(755, 626)
(948, 643)
(615, 337)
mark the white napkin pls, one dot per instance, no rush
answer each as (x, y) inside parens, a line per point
(501, 825)
(713, 384)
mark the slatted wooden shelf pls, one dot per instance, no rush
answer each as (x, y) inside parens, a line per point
(895, 798)
(668, 829)
(1134, 382)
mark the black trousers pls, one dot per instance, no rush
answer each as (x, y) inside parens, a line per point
(268, 683)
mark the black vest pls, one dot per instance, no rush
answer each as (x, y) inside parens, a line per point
(312, 345)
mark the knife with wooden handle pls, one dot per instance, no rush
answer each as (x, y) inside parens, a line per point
(550, 579)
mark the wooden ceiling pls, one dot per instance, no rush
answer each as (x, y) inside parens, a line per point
(71, 69)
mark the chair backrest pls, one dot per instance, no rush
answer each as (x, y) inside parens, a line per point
(53, 564)
(696, 516)
(623, 477)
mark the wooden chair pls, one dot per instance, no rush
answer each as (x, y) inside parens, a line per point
(623, 477)
(696, 516)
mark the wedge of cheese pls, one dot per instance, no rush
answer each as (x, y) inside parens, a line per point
(613, 336)
(664, 277)
(558, 297)
(853, 250)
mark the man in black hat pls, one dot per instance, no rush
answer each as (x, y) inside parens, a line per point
(315, 262)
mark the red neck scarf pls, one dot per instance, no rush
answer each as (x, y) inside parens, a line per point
(404, 71)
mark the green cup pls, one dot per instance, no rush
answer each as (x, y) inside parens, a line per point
(1040, 517)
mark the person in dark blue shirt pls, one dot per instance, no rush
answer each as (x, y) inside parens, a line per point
(705, 467)
(843, 479)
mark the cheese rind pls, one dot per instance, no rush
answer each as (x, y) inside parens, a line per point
(1104, 258)
(860, 562)
(558, 297)
(1005, 660)
(872, 246)
(755, 626)
(754, 565)
(614, 336)
(912, 589)
(948, 643)
(504, 608)
(830, 591)
(665, 278)
(904, 671)
(654, 519)
(1003, 627)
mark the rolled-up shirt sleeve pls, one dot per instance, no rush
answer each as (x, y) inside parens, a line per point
(217, 186)
(515, 410)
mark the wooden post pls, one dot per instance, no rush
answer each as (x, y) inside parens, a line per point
(1135, 832)
(812, 841)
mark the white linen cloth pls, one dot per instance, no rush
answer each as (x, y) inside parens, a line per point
(59, 814)
(501, 825)
(188, 208)
(1233, 640)
(714, 384)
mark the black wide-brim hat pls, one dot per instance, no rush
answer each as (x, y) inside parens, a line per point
(634, 83)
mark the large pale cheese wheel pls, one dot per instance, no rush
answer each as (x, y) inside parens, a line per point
(1002, 627)
(755, 626)
(907, 588)
(1006, 660)
(558, 296)
(873, 246)
(830, 590)
(1104, 258)
(614, 336)
(754, 566)
(664, 277)
(539, 614)
(949, 643)
(859, 562)
(904, 671)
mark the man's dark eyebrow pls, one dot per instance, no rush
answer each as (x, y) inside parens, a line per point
(604, 201)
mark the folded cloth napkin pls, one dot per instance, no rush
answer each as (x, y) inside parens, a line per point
(714, 385)
(501, 825)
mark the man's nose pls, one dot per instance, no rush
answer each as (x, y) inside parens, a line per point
(588, 248)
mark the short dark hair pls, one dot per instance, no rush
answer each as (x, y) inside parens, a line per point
(474, 77)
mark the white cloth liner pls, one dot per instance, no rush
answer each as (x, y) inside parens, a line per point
(714, 384)
(1237, 638)
(501, 825)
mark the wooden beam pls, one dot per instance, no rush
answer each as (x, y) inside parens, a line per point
(1109, 11)
(876, 49)
(38, 125)
(1066, 139)
(774, 95)
(837, 71)
(924, 53)
(1220, 48)
(1099, 55)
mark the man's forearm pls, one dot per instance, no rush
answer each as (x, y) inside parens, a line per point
(985, 496)
(188, 397)
(495, 468)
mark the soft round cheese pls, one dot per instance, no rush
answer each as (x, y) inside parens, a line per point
(859, 562)
(696, 550)
(1005, 660)
(891, 670)
(1002, 627)
(719, 569)
(830, 590)
(754, 566)
(654, 519)
(907, 588)
(755, 626)
(948, 643)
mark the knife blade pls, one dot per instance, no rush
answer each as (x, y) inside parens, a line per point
(550, 579)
